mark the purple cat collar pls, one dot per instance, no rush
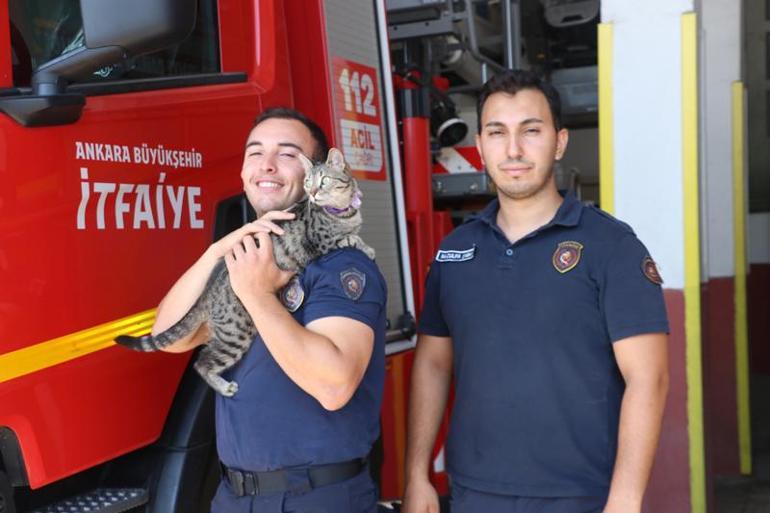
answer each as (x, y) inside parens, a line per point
(336, 211)
(355, 204)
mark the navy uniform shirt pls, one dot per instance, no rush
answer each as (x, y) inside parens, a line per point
(271, 422)
(537, 388)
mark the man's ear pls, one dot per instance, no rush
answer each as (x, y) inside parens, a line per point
(562, 138)
(335, 158)
(478, 149)
(306, 162)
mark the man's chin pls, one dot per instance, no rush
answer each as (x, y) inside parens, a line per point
(263, 205)
(520, 193)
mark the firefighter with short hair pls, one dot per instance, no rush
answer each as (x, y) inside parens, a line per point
(296, 435)
(550, 316)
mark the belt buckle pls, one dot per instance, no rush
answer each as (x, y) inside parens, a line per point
(236, 481)
(250, 484)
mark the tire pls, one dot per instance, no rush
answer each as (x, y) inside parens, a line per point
(6, 495)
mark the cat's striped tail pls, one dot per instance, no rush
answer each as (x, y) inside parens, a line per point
(184, 326)
(148, 343)
(145, 343)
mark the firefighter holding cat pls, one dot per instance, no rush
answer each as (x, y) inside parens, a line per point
(296, 435)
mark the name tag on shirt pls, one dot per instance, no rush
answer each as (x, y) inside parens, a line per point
(455, 255)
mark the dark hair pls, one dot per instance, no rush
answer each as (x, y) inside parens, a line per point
(321, 143)
(514, 80)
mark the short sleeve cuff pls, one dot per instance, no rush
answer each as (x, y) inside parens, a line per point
(432, 330)
(620, 333)
(368, 312)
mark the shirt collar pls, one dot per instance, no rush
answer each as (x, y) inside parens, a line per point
(568, 213)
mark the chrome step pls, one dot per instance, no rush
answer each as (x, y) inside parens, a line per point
(102, 500)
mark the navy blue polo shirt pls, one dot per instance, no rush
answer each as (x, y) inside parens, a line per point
(537, 388)
(271, 422)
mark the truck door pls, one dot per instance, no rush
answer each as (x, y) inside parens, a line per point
(98, 217)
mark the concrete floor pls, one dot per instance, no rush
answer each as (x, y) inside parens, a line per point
(751, 494)
(746, 494)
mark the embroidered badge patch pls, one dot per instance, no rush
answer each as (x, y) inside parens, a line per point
(567, 256)
(650, 270)
(292, 295)
(455, 255)
(353, 283)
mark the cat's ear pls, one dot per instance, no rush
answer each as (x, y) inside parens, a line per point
(306, 163)
(356, 202)
(335, 159)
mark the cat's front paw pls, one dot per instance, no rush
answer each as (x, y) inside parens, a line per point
(230, 389)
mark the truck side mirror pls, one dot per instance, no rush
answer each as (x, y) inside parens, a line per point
(113, 30)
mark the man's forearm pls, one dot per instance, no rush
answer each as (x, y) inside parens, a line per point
(640, 422)
(428, 396)
(182, 296)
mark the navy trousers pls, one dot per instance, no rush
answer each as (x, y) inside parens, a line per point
(356, 495)
(465, 500)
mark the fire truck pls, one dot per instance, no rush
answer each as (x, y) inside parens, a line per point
(123, 125)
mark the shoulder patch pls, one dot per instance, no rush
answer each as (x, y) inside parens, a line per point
(650, 270)
(445, 255)
(353, 283)
(567, 255)
(292, 294)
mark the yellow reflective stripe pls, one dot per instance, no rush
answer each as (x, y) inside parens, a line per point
(606, 155)
(692, 290)
(69, 347)
(741, 320)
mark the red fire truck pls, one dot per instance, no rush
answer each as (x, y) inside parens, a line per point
(122, 133)
(122, 130)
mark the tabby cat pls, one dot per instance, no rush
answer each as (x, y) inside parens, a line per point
(327, 219)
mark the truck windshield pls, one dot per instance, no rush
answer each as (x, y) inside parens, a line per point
(42, 30)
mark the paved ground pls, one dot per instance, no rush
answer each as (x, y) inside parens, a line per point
(746, 494)
(751, 494)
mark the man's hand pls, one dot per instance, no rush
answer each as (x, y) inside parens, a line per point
(265, 224)
(420, 497)
(190, 285)
(252, 268)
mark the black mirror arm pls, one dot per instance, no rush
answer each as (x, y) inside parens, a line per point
(52, 77)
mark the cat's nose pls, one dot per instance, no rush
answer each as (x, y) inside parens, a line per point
(313, 191)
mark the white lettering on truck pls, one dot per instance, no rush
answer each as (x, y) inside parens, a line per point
(144, 154)
(133, 205)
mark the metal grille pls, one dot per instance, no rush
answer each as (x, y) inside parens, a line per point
(105, 500)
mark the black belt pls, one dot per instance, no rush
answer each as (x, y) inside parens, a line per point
(300, 479)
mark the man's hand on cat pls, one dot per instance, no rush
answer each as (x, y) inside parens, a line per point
(252, 267)
(264, 224)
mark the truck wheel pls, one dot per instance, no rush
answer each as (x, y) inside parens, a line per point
(6, 495)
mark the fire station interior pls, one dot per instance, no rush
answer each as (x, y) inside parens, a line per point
(453, 64)
(450, 48)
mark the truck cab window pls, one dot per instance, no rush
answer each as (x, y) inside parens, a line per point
(42, 30)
